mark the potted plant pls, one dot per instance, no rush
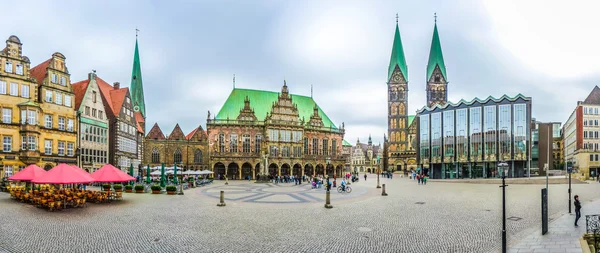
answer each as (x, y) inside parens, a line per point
(118, 187)
(106, 187)
(171, 189)
(129, 188)
(139, 188)
(156, 189)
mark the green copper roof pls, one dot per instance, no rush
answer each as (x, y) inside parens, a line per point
(435, 55)
(137, 89)
(397, 56)
(261, 101)
(346, 143)
(410, 119)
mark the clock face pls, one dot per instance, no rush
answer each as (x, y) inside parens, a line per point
(136, 108)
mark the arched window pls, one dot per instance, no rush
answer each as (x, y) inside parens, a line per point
(177, 156)
(155, 156)
(198, 156)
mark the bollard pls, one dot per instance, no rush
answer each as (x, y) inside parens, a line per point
(222, 199)
(383, 193)
(328, 200)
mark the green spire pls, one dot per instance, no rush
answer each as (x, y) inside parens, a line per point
(397, 56)
(137, 89)
(435, 55)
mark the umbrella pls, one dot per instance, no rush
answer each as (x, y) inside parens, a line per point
(148, 174)
(206, 172)
(28, 174)
(109, 174)
(64, 174)
(175, 175)
(155, 173)
(162, 175)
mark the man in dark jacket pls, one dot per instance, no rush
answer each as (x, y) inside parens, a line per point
(577, 209)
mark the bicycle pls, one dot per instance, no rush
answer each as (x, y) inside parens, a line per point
(348, 189)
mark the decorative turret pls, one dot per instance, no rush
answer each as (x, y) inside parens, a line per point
(315, 119)
(370, 141)
(246, 113)
(137, 89)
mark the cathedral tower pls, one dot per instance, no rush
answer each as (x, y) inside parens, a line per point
(397, 81)
(437, 84)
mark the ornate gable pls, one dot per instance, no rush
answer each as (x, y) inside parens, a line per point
(155, 133)
(176, 134)
(247, 113)
(284, 109)
(315, 119)
(397, 76)
(197, 135)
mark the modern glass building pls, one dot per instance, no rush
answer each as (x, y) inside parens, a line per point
(468, 139)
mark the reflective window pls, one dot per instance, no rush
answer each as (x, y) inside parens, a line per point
(424, 137)
(448, 133)
(475, 131)
(520, 131)
(461, 135)
(489, 124)
(436, 134)
(504, 131)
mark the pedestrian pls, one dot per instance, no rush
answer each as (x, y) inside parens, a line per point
(577, 210)
(365, 176)
(424, 179)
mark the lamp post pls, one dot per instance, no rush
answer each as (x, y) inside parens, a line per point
(569, 170)
(503, 167)
(378, 171)
(328, 160)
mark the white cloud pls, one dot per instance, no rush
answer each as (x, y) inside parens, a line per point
(556, 38)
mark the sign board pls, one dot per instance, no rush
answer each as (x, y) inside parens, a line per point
(544, 211)
(545, 167)
(569, 170)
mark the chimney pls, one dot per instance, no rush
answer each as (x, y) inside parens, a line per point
(116, 85)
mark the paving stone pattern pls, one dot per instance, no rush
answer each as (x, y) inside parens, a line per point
(454, 218)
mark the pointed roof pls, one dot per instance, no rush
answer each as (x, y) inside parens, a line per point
(264, 101)
(397, 58)
(436, 58)
(137, 89)
(105, 89)
(198, 131)
(39, 72)
(156, 133)
(594, 97)
(346, 143)
(79, 89)
(177, 134)
(118, 97)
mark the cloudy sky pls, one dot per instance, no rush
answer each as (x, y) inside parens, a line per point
(190, 50)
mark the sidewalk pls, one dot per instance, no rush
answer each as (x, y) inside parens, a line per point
(562, 235)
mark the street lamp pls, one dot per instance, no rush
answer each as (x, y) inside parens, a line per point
(503, 168)
(378, 171)
(569, 170)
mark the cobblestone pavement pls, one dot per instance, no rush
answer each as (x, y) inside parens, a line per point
(448, 218)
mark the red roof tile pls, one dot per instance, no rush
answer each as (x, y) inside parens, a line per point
(118, 96)
(105, 89)
(139, 117)
(79, 89)
(191, 134)
(39, 72)
(139, 127)
(197, 131)
(156, 133)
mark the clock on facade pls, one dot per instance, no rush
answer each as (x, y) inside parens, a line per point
(136, 108)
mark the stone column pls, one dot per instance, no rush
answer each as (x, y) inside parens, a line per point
(239, 173)
(254, 173)
(279, 171)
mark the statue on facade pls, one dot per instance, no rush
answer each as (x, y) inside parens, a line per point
(208, 115)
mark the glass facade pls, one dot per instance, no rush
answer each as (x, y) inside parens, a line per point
(468, 140)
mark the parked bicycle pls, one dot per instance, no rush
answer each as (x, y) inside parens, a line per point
(348, 189)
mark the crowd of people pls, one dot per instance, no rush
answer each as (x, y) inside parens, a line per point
(420, 178)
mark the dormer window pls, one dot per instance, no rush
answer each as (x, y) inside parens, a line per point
(54, 78)
(19, 69)
(63, 81)
(8, 67)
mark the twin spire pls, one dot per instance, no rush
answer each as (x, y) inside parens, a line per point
(435, 55)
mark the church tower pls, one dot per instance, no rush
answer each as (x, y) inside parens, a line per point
(137, 88)
(437, 84)
(397, 81)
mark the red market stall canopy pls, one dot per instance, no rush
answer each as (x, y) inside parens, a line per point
(28, 174)
(64, 174)
(110, 174)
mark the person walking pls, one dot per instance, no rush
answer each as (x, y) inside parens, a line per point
(424, 179)
(365, 176)
(418, 178)
(577, 210)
